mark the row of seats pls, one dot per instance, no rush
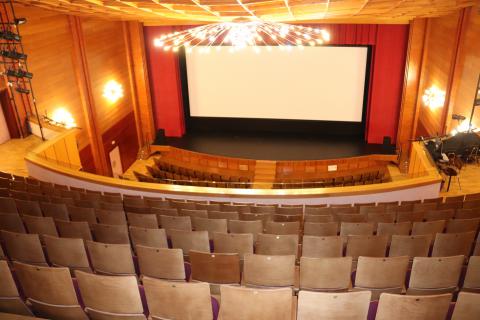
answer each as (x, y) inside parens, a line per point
(112, 228)
(369, 177)
(92, 296)
(320, 269)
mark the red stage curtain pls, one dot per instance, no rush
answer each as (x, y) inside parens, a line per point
(389, 44)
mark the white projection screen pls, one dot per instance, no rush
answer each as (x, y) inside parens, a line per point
(324, 83)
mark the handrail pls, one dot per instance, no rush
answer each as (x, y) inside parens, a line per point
(429, 176)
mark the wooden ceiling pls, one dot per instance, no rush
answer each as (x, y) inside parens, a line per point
(199, 11)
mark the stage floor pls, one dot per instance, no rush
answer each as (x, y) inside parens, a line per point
(277, 147)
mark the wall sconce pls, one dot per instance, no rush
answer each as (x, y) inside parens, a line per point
(112, 91)
(434, 98)
(63, 118)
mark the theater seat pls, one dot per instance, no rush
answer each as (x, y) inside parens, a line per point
(401, 307)
(334, 306)
(10, 301)
(174, 300)
(50, 292)
(110, 297)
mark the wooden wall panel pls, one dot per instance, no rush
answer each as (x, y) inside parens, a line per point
(107, 60)
(439, 56)
(468, 70)
(47, 40)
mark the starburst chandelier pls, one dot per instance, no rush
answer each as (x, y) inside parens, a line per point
(242, 34)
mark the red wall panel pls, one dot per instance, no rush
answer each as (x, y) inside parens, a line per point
(389, 43)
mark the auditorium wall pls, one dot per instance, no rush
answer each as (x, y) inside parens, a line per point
(451, 62)
(72, 58)
(389, 43)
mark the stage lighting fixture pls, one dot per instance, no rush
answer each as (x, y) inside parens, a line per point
(9, 35)
(19, 21)
(19, 74)
(12, 54)
(458, 117)
(22, 90)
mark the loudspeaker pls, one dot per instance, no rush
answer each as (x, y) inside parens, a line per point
(387, 141)
(160, 137)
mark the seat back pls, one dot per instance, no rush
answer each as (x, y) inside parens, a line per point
(240, 243)
(111, 217)
(74, 229)
(67, 252)
(271, 244)
(40, 225)
(335, 306)
(31, 208)
(82, 214)
(325, 229)
(322, 247)
(190, 240)
(429, 228)
(268, 270)
(12, 222)
(111, 259)
(411, 246)
(368, 246)
(169, 300)
(114, 234)
(10, 300)
(435, 275)
(24, 247)
(218, 268)
(108, 296)
(8, 205)
(57, 211)
(325, 274)
(142, 220)
(50, 291)
(193, 213)
(223, 215)
(282, 228)
(254, 227)
(175, 223)
(210, 225)
(467, 306)
(404, 307)
(149, 237)
(472, 277)
(161, 263)
(172, 212)
(462, 225)
(240, 303)
(318, 218)
(356, 229)
(435, 215)
(395, 228)
(452, 244)
(381, 274)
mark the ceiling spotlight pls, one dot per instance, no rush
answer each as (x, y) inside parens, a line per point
(19, 74)
(9, 35)
(19, 21)
(22, 90)
(12, 54)
(243, 34)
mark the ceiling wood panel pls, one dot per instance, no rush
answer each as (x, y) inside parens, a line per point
(200, 11)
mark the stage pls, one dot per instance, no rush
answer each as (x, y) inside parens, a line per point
(276, 146)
